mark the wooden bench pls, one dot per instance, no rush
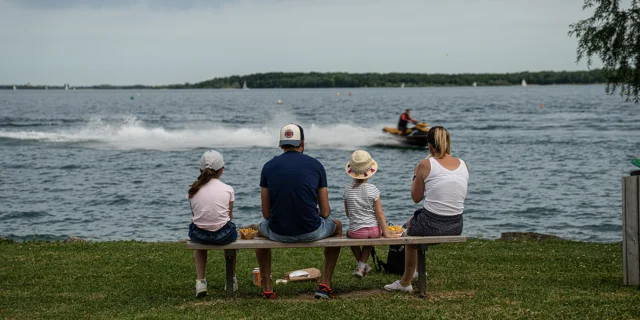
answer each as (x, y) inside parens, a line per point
(263, 243)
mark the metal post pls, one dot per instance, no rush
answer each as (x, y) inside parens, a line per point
(422, 268)
(631, 230)
(228, 257)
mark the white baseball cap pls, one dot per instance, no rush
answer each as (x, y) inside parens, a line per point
(291, 134)
(211, 160)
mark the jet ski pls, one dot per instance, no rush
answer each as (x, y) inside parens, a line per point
(414, 136)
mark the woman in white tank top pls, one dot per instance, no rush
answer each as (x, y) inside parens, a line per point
(441, 180)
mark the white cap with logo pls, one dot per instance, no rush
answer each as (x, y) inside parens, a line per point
(211, 160)
(291, 134)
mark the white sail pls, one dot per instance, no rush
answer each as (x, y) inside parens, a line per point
(66, 86)
(475, 84)
(46, 87)
(14, 88)
(244, 86)
(524, 83)
(402, 85)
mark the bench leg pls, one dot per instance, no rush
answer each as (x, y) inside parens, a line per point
(422, 268)
(228, 258)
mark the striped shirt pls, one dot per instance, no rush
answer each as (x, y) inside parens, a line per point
(361, 201)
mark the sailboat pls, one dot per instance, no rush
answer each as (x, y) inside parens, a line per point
(524, 83)
(46, 88)
(66, 86)
(402, 85)
(244, 86)
(475, 84)
(14, 88)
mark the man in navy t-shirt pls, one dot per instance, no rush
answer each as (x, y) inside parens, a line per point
(293, 181)
(295, 206)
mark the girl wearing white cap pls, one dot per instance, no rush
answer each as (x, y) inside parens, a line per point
(363, 207)
(211, 202)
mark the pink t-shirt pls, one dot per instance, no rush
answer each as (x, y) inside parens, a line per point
(210, 206)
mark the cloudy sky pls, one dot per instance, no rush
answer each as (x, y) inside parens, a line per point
(87, 42)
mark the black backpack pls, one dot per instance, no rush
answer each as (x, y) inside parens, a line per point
(395, 260)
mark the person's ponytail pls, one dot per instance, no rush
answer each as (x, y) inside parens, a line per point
(205, 176)
(438, 138)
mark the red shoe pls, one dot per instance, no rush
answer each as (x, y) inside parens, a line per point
(324, 292)
(269, 295)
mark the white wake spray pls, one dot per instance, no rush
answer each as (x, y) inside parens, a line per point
(131, 133)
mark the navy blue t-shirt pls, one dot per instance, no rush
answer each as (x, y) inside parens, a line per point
(293, 180)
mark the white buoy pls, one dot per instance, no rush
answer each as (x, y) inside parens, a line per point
(279, 101)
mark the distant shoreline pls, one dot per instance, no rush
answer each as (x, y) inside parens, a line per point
(34, 88)
(289, 80)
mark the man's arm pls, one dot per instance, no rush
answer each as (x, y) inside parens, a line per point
(323, 202)
(266, 204)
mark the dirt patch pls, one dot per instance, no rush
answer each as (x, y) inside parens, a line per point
(18, 259)
(352, 295)
(344, 295)
(198, 304)
(431, 296)
(454, 295)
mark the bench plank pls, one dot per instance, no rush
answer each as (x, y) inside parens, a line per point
(263, 243)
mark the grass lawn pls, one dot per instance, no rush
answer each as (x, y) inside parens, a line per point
(481, 279)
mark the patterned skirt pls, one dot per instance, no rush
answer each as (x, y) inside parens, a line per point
(426, 223)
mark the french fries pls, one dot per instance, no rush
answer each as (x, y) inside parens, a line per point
(247, 233)
(395, 231)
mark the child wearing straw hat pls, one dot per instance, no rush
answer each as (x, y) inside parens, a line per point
(363, 207)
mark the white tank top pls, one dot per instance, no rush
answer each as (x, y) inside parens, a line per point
(445, 190)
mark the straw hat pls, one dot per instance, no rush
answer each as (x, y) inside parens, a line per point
(361, 166)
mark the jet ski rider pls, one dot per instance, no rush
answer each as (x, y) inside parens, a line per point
(404, 119)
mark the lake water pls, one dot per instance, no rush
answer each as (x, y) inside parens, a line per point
(107, 165)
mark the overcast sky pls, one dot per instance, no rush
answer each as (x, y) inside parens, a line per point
(165, 41)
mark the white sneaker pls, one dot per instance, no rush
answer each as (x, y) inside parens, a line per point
(201, 288)
(235, 285)
(367, 268)
(358, 273)
(416, 275)
(396, 286)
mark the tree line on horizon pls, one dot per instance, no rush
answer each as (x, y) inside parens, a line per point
(356, 80)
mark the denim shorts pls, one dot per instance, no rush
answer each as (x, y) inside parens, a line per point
(326, 229)
(225, 235)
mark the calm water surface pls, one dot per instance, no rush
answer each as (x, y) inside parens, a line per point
(104, 166)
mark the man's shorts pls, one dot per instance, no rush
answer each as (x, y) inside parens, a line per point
(326, 229)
